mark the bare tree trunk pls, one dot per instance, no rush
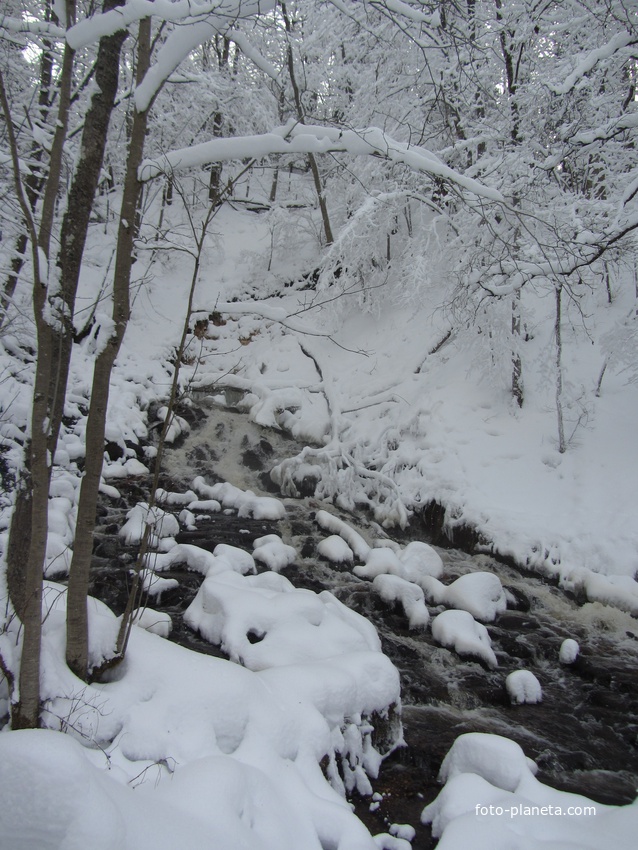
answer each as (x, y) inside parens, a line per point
(25, 575)
(80, 202)
(562, 446)
(77, 617)
(312, 160)
(517, 364)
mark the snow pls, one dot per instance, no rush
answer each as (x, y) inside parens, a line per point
(392, 588)
(459, 630)
(523, 687)
(156, 622)
(273, 552)
(569, 650)
(335, 549)
(492, 798)
(216, 753)
(479, 593)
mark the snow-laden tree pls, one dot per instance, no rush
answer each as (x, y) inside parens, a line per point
(497, 136)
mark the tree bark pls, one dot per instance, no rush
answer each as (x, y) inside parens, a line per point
(26, 574)
(77, 649)
(75, 223)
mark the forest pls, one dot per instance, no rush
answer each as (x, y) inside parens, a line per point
(401, 234)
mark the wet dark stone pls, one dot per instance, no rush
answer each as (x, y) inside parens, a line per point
(252, 460)
(114, 450)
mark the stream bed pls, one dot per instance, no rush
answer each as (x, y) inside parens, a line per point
(584, 733)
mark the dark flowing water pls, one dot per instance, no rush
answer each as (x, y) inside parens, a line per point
(584, 733)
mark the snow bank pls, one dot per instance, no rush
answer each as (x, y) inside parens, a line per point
(492, 799)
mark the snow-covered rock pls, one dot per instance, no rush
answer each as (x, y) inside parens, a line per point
(394, 589)
(271, 551)
(458, 630)
(479, 593)
(569, 651)
(335, 549)
(523, 687)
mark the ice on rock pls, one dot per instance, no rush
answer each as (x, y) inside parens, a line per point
(395, 589)
(459, 630)
(569, 650)
(523, 687)
(335, 549)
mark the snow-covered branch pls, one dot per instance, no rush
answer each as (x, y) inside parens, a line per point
(618, 42)
(249, 50)
(304, 138)
(17, 25)
(224, 12)
(608, 130)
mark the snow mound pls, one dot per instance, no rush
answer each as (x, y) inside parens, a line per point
(271, 551)
(335, 549)
(491, 798)
(245, 502)
(337, 526)
(420, 559)
(459, 630)
(155, 585)
(261, 623)
(156, 622)
(479, 593)
(500, 761)
(161, 523)
(569, 650)
(394, 589)
(523, 687)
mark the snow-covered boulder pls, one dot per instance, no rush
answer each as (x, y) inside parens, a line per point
(500, 761)
(393, 589)
(480, 593)
(458, 630)
(335, 549)
(420, 559)
(569, 651)
(271, 551)
(523, 687)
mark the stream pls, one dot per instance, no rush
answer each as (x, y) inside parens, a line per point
(584, 733)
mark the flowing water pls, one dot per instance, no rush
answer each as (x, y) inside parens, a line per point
(584, 733)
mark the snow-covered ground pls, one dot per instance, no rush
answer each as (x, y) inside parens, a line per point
(195, 751)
